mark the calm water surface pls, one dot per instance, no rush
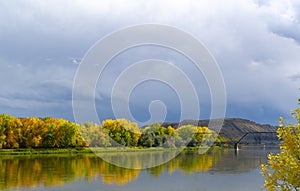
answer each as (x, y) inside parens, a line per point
(217, 170)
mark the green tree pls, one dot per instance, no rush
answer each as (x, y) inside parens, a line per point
(49, 138)
(154, 135)
(67, 134)
(186, 135)
(83, 134)
(282, 170)
(96, 135)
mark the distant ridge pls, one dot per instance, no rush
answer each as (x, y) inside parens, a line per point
(234, 128)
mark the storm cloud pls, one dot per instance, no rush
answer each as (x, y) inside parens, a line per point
(255, 43)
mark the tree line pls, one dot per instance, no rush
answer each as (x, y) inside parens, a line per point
(48, 132)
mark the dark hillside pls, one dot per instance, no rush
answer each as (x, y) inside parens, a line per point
(235, 128)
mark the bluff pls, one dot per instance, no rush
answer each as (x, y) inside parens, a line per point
(235, 128)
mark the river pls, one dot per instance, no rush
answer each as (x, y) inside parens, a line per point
(216, 170)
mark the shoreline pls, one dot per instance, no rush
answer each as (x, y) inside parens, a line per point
(93, 150)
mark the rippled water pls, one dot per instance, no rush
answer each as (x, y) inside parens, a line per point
(216, 170)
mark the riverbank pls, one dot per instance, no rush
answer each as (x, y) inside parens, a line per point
(87, 150)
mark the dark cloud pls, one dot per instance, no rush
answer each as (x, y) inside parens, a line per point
(42, 44)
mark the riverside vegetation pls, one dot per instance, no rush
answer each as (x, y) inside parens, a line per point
(48, 132)
(282, 171)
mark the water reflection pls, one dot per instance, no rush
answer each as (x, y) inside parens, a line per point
(48, 171)
(139, 160)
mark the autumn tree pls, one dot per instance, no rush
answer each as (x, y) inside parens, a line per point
(83, 135)
(66, 134)
(48, 132)
(33, 130)
(207, 136)
(122, 131)
(133, 132)
(2, 135)
(171, 137)
(10, 128)
(282, 170)
(95, 135)
(191, 135)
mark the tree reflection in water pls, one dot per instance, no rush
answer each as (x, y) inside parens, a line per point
(48, 171)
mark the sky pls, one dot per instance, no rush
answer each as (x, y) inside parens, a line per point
(256, 45)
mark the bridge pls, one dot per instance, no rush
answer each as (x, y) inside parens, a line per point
(236, 144)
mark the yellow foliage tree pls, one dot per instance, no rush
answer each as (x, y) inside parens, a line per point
(122, 131)
(282, 172)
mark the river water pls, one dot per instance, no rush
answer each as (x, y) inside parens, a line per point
(216, 170)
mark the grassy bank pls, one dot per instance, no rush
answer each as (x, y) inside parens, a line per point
(47, 151)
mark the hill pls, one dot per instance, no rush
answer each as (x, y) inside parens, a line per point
(235, 129)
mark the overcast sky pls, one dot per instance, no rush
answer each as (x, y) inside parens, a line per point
(255, 43)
